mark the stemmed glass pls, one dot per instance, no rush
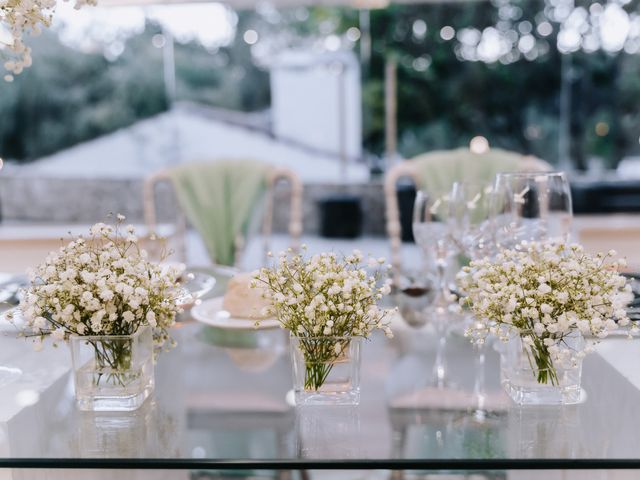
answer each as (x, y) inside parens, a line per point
(472, 226)
(432, 232)
(531, 206)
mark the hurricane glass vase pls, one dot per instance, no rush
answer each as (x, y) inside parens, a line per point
(113, 372)
(326, 370)
(527, 384)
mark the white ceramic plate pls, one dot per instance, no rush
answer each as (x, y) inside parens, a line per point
(211, 312)
(10, 288)
(200, 285)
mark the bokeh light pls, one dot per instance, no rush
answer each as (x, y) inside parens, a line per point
(332, 43)
(447, 32)
(479, 145)
(419, 29)
(353, 34)
(602, 129)
(158, 40)
(250, 37)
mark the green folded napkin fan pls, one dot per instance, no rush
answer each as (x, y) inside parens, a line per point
(440, 169)
(219, 199)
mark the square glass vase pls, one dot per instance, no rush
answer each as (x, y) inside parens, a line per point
(113, 373)
(519, 374)
(326, 370)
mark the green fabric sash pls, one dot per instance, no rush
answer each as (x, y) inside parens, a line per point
(219, 199)
(440, 169)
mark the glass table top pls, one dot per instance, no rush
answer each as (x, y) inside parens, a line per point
(223, 401)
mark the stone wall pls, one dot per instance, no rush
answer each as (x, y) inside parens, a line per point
(76, 200)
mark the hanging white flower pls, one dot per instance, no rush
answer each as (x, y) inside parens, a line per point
(21, 17)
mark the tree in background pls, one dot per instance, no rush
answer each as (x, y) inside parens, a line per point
(449, 88)
(444, 100)
(68, 97)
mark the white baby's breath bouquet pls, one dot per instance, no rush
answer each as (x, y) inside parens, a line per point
(546, 292)
(325, 301)
(102, 285)
(19, 17)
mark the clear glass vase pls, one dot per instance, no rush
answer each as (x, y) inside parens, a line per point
(326, 370)
(520, 376)
(113, 372)
(119, 434)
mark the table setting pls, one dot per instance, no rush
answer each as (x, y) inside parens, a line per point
(504, 332)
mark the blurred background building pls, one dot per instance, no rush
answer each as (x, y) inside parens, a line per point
(338, 92)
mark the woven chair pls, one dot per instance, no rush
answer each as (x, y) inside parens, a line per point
(459, 160)
(275, 175)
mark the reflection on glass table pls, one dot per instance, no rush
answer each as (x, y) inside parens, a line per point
(10, 287)
(223, 401)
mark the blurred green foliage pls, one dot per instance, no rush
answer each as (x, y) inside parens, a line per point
(68, 97)
(516, 106)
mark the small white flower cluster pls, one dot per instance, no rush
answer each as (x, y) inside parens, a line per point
(103, 285)
(25, 16)
(325, 295)
(546, 291)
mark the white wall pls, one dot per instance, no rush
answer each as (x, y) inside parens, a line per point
(305, 100)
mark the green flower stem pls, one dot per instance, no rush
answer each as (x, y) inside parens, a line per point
(316, 374)
(544, 369)
(116, 355)
(319, 358)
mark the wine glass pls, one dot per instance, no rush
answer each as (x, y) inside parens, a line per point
(432, 232)
(470, 210)
(471, 226)
(531, 206)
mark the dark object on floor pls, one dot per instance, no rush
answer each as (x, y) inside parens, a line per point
(340, 216)
(620, 196)
(406, 198)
